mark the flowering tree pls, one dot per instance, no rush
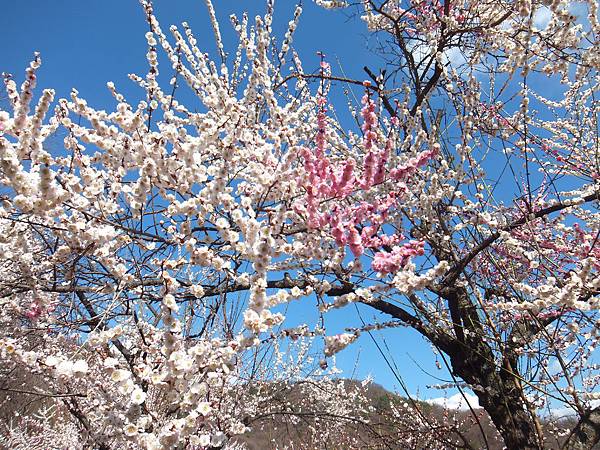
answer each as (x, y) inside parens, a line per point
(504, 212)
(126, 255)
(463, 208)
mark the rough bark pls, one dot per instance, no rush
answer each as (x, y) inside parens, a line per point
(587, 432)
(503, 401)
(497, 386)
(499, 394)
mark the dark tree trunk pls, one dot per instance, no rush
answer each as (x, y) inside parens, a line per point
(513, 422)
(492, 372)
(501, 398)
(497, 386)
(587, 432)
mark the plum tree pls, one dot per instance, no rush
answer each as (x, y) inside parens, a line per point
(149, 256)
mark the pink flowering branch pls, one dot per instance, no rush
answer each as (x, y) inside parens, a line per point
(358, 226)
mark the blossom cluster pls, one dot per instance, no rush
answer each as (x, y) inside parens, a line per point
(146, 266)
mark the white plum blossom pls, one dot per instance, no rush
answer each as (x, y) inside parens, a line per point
(148, 261)
(138, 396)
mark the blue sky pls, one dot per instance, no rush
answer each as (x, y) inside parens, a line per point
(84, 44)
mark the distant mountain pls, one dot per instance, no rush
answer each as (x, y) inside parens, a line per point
(391, 422)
